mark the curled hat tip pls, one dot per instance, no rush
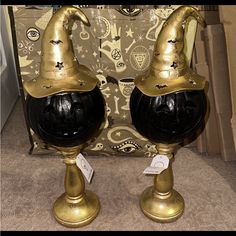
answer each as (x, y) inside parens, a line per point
(85, 20)
(201, 21)
(71, 12)
(199, 17)
(82, 16)
(87, 23)
(187, 11)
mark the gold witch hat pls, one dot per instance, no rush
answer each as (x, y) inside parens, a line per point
(59, 68)
(169, 71)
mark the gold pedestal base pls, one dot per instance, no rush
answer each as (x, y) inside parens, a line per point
(161, 208)
(78, 211)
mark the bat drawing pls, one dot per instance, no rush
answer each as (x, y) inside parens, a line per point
(172, 41)
(160, 86)
(54, 42)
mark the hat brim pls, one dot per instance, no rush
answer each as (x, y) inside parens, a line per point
(153, 86)
(83, 81)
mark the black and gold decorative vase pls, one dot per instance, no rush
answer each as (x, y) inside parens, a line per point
(66, 109)
(168, 105)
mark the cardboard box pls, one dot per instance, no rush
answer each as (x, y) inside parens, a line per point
(211, 17)
(228, 19)
(211, 136)
(208, 141)
(219, 80)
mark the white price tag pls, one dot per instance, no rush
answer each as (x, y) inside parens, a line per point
(85, 167)
(159, 163)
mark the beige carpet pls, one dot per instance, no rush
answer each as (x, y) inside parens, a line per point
(30, 185)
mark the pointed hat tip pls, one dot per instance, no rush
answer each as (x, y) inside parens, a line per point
(196, 13)
(201, 20)
(82, 16)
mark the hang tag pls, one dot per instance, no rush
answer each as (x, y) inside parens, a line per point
(159, 163)
(85, 167)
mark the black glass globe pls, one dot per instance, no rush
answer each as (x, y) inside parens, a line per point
(169, 118)
(66, 119)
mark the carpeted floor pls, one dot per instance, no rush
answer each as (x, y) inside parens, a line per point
(30, 185)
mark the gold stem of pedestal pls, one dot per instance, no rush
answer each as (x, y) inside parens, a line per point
(74, 181)
(163, 183)
(76, 207)
(161, 202)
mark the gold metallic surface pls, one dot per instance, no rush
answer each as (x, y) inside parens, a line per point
(161, 202)
(59, 68)
(169, 71)
(76, 207)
